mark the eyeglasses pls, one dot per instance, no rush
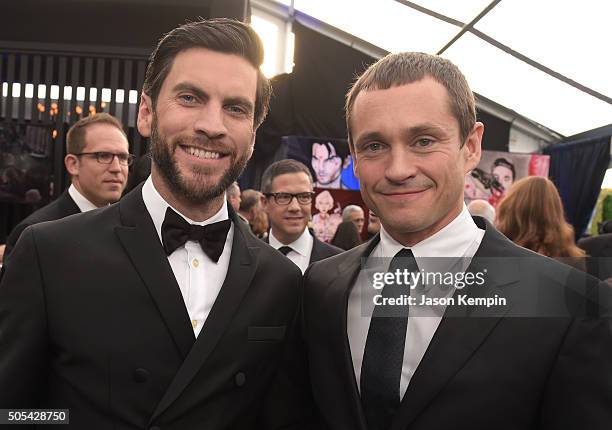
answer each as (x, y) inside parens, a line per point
(108, 157)
(286, 198)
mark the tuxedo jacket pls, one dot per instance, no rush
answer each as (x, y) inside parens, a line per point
(61, 207)
(485, 368)
(320, 249)
(92, 320)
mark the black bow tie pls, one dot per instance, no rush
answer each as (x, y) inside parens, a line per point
(176, 231)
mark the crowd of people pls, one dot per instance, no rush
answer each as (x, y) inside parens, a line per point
(191, 304)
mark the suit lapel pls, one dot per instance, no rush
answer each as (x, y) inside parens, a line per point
(140, 240)
(316, 249)
(341, 288)
(242, 267)
(462, 329)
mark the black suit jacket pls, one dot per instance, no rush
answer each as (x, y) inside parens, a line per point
(61, 207)
(320, 250)
(484, 368)
(599, 255)
(92, 319)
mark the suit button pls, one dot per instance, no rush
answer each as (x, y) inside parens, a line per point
(240, 379)
(142, 375)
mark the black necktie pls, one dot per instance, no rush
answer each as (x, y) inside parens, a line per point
(176, 231)
(285, 250)
(383, 356)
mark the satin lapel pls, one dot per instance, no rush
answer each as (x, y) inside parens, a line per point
(141, 242)
(242, 267)
(342, 286)
(462, 330)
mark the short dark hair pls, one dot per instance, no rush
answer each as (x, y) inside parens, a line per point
(504, 163)
(76, 136)
(249, 199)
(407, 67)
(223, 35)
(280, 168)
(339, 146)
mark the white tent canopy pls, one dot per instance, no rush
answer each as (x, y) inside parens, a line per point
(547, 60)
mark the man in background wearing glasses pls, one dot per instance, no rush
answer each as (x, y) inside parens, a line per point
(287, 185)
(97, 160)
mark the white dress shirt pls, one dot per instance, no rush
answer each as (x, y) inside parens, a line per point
(458, 242)
(301, 248)
(80, 200)
(199, 278)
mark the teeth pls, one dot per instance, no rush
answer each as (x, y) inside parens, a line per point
(200, 153)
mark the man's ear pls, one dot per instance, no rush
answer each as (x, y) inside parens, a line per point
(72, 164)
(472, 147)
(145, 115)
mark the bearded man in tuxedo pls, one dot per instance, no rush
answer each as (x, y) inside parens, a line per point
(163, 310)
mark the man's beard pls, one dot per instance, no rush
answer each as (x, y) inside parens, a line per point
(196, 191)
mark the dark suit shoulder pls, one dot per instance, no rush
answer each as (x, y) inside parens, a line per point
(322, 250)
(87, 226)
(60, 208)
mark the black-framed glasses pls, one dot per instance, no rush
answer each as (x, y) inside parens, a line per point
(108, 157)
(285, 198)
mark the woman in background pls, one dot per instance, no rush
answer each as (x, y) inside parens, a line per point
(531, 215)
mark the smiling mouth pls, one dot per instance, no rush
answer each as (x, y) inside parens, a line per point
(202, 153)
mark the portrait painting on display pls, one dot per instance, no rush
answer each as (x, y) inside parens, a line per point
(328, 159)
(327, 207)
(497, 171)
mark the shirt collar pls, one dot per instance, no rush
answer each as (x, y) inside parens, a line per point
(453, 240)
(156, 205)
(302, 245)
(80, 200)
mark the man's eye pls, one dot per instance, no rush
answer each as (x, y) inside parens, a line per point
(187, 98)
(237, 109)
(373, 147)
(424, 143)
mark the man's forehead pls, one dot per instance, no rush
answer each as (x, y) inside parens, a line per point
(104, 137)
(194, 65)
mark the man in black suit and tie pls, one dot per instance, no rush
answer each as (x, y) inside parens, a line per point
(163, 311)
(97, 159)
(287, 186)
(522, 345)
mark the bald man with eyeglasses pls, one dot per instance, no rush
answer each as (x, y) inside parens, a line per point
(97, 160)
(288, 188)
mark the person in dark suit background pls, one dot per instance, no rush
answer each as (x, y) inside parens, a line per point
(97, 177)
(599, 252)
(288, 188)
(164, 311)
(539, 358)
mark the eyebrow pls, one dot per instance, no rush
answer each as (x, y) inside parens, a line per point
(198, 92)
(409, 132)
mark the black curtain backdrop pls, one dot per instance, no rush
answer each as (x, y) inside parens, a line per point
(310, 100)
(577, 168)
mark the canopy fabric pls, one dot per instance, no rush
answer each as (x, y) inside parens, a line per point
(546, 60)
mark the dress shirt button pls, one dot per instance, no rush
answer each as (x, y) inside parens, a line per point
(240, 379)
(195, 262)
(194, 323)
(141, 375)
